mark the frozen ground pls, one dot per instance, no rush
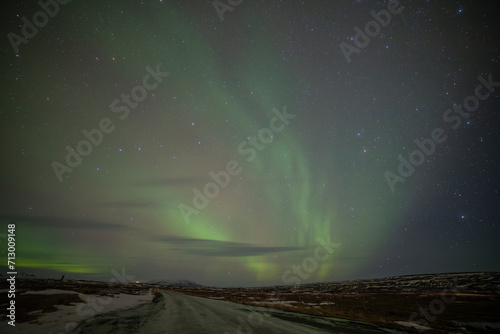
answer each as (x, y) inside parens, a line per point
(178, 313)
(67, 317)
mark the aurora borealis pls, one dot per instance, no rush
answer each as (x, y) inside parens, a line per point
(208, 90)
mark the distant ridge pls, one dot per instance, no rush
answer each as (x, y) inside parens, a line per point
(180, 283)
(462, 281)
(20, 275)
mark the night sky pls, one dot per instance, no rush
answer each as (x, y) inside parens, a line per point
(116, 118)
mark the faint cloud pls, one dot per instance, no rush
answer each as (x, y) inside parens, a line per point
(209, 247)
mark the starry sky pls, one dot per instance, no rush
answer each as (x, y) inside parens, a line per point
(224, 143)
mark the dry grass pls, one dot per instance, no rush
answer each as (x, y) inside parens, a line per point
(157, 295)
(377, 308)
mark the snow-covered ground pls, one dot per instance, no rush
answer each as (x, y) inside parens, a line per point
(66, 318)
(413, 325)
(176, 313)
(181, 314)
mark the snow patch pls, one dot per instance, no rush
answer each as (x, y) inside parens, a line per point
(412, 325)
(68, 316)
